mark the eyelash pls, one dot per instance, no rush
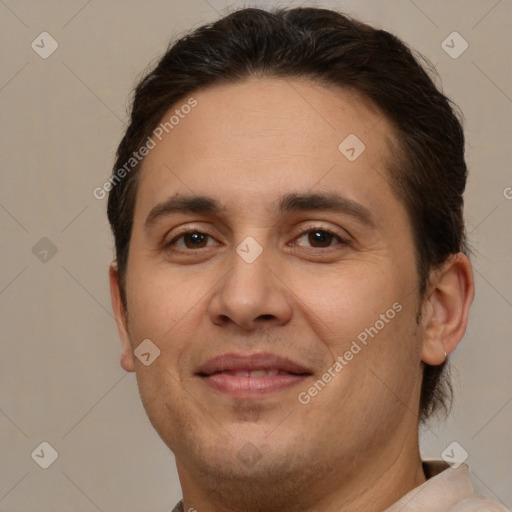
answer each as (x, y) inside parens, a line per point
(310, 229)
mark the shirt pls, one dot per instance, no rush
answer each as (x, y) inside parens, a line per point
(446, 490)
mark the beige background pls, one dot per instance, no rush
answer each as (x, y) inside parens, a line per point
(62, 117)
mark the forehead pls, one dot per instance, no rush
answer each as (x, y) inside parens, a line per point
(262, 136)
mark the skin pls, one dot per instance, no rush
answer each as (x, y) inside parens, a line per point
(354, 446)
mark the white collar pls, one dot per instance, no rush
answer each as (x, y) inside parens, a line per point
(448, 490)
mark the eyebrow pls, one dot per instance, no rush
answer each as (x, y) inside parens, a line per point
(293, 202)
(183, 204)
(326, 201)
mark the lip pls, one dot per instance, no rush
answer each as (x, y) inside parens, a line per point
(219, 373)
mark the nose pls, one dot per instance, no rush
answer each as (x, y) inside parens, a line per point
(251, 295)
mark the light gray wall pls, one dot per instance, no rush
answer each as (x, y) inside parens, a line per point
(62, 117)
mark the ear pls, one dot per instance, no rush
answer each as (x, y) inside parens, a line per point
(446, 308)
(127, 361)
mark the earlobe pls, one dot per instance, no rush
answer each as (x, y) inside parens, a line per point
(127, 360)
(446, 308)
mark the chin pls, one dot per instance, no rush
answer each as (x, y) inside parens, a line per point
(248, 475)
(248, 454)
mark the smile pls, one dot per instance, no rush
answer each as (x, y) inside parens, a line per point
(251, 376)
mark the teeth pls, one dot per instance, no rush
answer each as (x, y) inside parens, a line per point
(255, 373)
(258, 373)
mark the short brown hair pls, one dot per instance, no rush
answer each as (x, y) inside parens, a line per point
(429, 171)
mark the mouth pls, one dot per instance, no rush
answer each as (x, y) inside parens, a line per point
(252, 376)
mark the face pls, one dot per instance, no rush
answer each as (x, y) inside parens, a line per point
(274, 269)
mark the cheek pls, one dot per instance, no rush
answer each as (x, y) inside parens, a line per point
(168, 408)
(160, 302)
(346, 300)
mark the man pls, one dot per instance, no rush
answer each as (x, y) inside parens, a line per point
(291, 271)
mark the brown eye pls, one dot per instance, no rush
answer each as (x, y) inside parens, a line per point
(320, 238)
(190, 240)
(194, 240)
